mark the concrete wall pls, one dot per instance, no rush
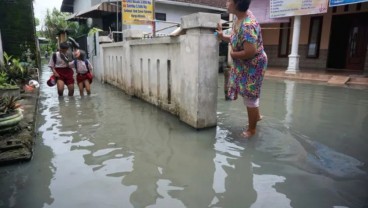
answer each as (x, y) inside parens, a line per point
(304, 62)
(82, 5)
(178, 74)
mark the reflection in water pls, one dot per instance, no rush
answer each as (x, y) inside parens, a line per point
(110, 150)
(289, 97)
(233, 178)
(267, 194)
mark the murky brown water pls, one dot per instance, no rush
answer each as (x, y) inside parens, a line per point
(109, 150)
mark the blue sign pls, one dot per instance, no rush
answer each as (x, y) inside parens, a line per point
(344, 2)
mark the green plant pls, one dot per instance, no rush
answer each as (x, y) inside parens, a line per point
(14, 69)
(8, 104)
(94, 30)
(4, 81)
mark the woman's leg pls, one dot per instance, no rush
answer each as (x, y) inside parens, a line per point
(226, 82)
(253, 116)
(88, 86)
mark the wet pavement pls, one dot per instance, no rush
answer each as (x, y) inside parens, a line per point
(110, 150)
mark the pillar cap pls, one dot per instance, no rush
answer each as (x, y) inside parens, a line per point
(200, 20)
(133, 34)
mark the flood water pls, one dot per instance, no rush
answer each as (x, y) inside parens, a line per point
(110, 150)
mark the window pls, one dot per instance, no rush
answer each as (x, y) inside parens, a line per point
(359, 6)
(346, 8)
(315, 31)
(160, 16)
(284, 39)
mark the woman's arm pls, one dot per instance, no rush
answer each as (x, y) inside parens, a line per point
(221, 34)
(249, 51)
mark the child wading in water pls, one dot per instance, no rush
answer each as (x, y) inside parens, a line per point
(84, 72)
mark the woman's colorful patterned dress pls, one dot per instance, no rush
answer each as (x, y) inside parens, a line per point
(246, 75)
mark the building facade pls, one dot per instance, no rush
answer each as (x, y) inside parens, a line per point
(336, 40)
(107, 14)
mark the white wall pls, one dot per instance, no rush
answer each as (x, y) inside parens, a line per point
(178, 74)
(80, 5)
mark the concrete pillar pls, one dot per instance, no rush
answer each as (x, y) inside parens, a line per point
(199, 50)
(1, 51)
(132, 34)
(294, 56)
(129, 35)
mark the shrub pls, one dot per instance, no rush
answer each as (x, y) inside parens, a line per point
(8, 104)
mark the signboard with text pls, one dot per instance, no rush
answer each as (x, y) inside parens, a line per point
(344, 2)
(137, 12)
(288, 8)
(261, 9)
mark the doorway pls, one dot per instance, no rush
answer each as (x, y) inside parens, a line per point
(348, 42)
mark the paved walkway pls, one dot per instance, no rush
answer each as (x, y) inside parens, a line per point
(332, 77)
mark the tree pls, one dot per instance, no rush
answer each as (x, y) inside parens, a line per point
(37, 21)
(55, 21)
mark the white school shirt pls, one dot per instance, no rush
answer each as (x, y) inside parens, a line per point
(60, 63)
(81, 66)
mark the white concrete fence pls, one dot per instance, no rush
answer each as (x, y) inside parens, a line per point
(177, 74)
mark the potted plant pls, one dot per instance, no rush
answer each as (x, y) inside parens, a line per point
(6, 88)
(12, 74)
(10, 114)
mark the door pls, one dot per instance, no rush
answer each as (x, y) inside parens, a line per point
(357, 47)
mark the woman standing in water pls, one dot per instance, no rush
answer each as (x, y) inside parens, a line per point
(249, 60)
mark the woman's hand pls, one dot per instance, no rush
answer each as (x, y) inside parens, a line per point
(219, 31)
(232, 52)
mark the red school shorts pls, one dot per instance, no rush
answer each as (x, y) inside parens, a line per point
(66, 74)
(82, 77)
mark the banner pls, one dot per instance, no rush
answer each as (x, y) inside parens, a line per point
(287, 8)
(261, 9)
(344, 2)
(137, 12)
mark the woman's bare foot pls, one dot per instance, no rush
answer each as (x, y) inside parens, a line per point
(248, 133)
(260, 118)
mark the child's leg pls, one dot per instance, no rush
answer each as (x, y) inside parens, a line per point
(88, 86)
(60, 87)
(81, 85)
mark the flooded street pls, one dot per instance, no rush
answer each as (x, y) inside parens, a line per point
(111, 150)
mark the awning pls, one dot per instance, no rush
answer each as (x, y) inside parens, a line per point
(74, 17)
(98, 10)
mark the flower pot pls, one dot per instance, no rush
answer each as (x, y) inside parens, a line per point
(10, 121)
(9, 91)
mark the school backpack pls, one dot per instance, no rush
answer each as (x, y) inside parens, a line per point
(54, 58)
(76, 64)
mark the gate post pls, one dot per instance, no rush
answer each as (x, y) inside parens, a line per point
(199, 50)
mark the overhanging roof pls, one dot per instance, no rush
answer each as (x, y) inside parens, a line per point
(74, 17)
(98, 10)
